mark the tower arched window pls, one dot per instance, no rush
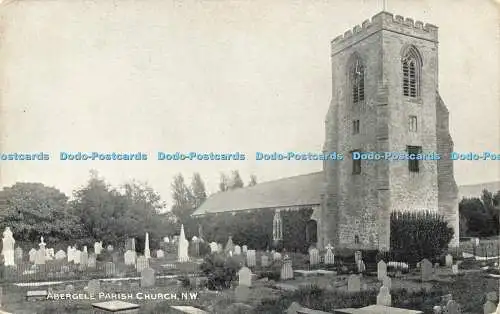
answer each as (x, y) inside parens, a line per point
(357, 79)
(412, 68)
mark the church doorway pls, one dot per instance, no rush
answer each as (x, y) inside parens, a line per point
(312, 233)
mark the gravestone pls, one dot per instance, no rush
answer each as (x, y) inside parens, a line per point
(77, 254)
(147, 251)
(18, 255)
(160, 254)
(8, 248)
(387, 282)
(381, 270)
(361, 266)
(110, 269)
(426, 270)
(237, 250)
(129, 257)
(264, 261)
(195, 241)
(277, 256)
(251, 259)
(490, 306)
(130, 244)
(97, 247)
(142, 263)
(452, 307)
(92, 262)
(454, 269)
(69, 254)
(449, 260)
(182, 247)
(84, 258)
(214, 247)
(286, 269)
(229, 245)
(357, 257)
(353, 284)
(313, 256)
(329, 256)
(94, 287)
(148, 277)
(109, 248)
(244, 249)
(40, 257)
(60, 255)
(384, 297)
(245, 277)
(32, 254)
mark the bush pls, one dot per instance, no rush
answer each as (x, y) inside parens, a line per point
(415, 236)
(220, 271)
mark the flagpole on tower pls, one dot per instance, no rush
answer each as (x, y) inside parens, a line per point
(385, 5)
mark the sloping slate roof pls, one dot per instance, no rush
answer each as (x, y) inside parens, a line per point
(476, 190)
(292, 191)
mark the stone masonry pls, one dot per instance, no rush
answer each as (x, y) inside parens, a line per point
(356, 207)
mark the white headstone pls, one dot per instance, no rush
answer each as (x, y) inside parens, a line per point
(251, 258)
(141, 264)
(160, 254)
(147, 252)
(245, 277)
(384, 297)
(129, 257)
(8, 248)
(313, 256)
(286, 269)
(60, 255)
(183, 246)
(148, 277)
(387, 282)
(244, 249)
(237, 250)
(381, 270)
(454, 269)
(214, 247)
(354, 284)
(97, 247)
(77, 254)
(329, 256)
(32, 254)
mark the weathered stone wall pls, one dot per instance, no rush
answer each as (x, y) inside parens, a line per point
(448, 191)
(360, 205)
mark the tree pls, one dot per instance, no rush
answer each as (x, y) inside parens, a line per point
(182, 197)
(236, 181)
(479, 219)
(224, 183)
(32, 210)
(253, 180)
(418, 235)
(198, 190)
(101, 210)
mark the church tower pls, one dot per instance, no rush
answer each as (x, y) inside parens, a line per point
(385, 99)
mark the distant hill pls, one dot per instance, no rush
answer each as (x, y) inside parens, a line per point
(475, 190)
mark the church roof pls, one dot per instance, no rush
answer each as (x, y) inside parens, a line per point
(302, 190)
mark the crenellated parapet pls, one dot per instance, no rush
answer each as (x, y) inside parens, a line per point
(385, 21)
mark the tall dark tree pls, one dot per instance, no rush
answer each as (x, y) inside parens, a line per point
(253, 180)
(198, 190)
(236, 181)
(223, 183)
(32, 210)
(182, 206)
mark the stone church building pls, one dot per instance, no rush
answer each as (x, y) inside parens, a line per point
(385, 98)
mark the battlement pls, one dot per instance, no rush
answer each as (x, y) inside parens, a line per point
(385, 21)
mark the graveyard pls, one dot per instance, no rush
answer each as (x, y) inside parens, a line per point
(197, 276)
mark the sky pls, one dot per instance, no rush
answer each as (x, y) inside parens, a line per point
(212, 76)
